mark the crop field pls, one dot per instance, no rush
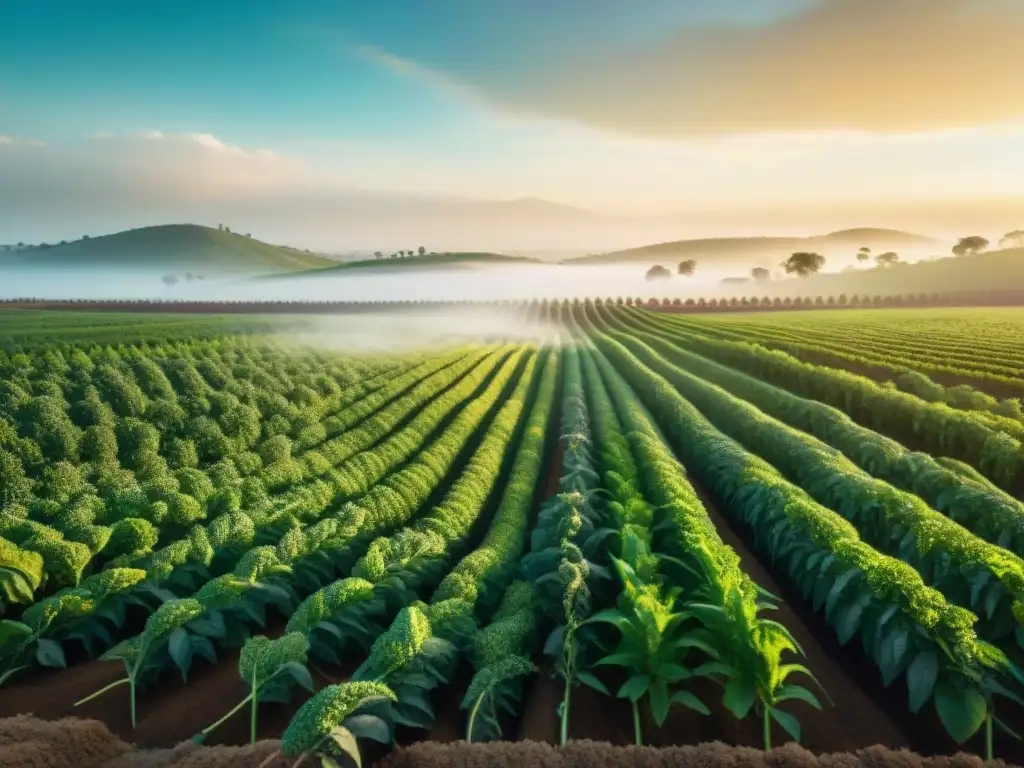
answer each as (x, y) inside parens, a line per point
(965, 349)
(605, 523)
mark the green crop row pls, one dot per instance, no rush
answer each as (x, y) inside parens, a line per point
(230, 544)
(909, 629)
(966, 569)
(935, 427)
(424, 642)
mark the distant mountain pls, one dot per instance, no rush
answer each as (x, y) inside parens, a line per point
(168, 249)
(723, 249)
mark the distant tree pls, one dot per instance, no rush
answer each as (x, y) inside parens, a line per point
(394, 255)
(804, 263)
(378, 255)
(760, 274)
(1013, 239)
(220, 227)
(887, 259)
(248, 234)
(658, 272)
(63, 242)
(687, 267)
(85, 237)
(970, 246)
(864, 254)
(169, 280)
(228, 230)
(421, 250)
(21, 244)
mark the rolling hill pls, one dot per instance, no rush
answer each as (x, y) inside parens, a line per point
(427, 261)
(169, 249)
(731, 249)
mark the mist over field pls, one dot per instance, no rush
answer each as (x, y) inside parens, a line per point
(471, 282)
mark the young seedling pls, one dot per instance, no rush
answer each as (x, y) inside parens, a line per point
(652, 648)
(137, 653)
(269, 667)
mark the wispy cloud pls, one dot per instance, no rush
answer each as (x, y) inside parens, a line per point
(881, 66)
(11, 141)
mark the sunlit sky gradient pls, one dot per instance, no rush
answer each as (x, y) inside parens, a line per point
(648, 106)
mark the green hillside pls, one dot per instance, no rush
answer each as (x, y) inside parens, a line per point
(171, 249)
(998, 270)
(427, 261)
(726, 248)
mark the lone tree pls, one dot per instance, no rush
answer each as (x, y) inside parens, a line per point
(1013, 239)
(761, 274)
(658, 272)
(687, 267)
(864, 254)
(421, 250)
(378, 255)
(970, 246)
(887, 259)
(803, 263)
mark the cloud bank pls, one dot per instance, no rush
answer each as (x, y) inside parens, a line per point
(867, 65)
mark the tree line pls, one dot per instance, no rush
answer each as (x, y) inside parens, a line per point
(807, 263)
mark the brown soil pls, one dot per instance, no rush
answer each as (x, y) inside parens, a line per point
(26, 742)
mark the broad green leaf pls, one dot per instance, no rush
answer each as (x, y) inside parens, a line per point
(790, 692)
(50, 654)
(621, 660)
(634, 688)
(837, 590)
(710, 668)
(13, 632)
(608, 616)
(179, 644)
(588, 678)
(787, 721)
(962, 710)
(299, 674)
(346, 743)
(687, 699)
(659, 702)
(740, 696)
(921, 677)
(695, 642)
(14, 587)
(848, 621)
(368, 727)
(673, 672)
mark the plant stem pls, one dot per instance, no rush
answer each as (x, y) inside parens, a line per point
(767, 724)
(638, 736)
(565, 711)
(234, 709)
(254, 697)
(989, 747)
(101, 691)
(472, 717)
(131, 689)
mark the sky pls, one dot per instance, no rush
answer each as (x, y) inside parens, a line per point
(117, 114)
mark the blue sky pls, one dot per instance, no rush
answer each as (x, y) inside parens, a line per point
(266, 71)
(648, 104)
